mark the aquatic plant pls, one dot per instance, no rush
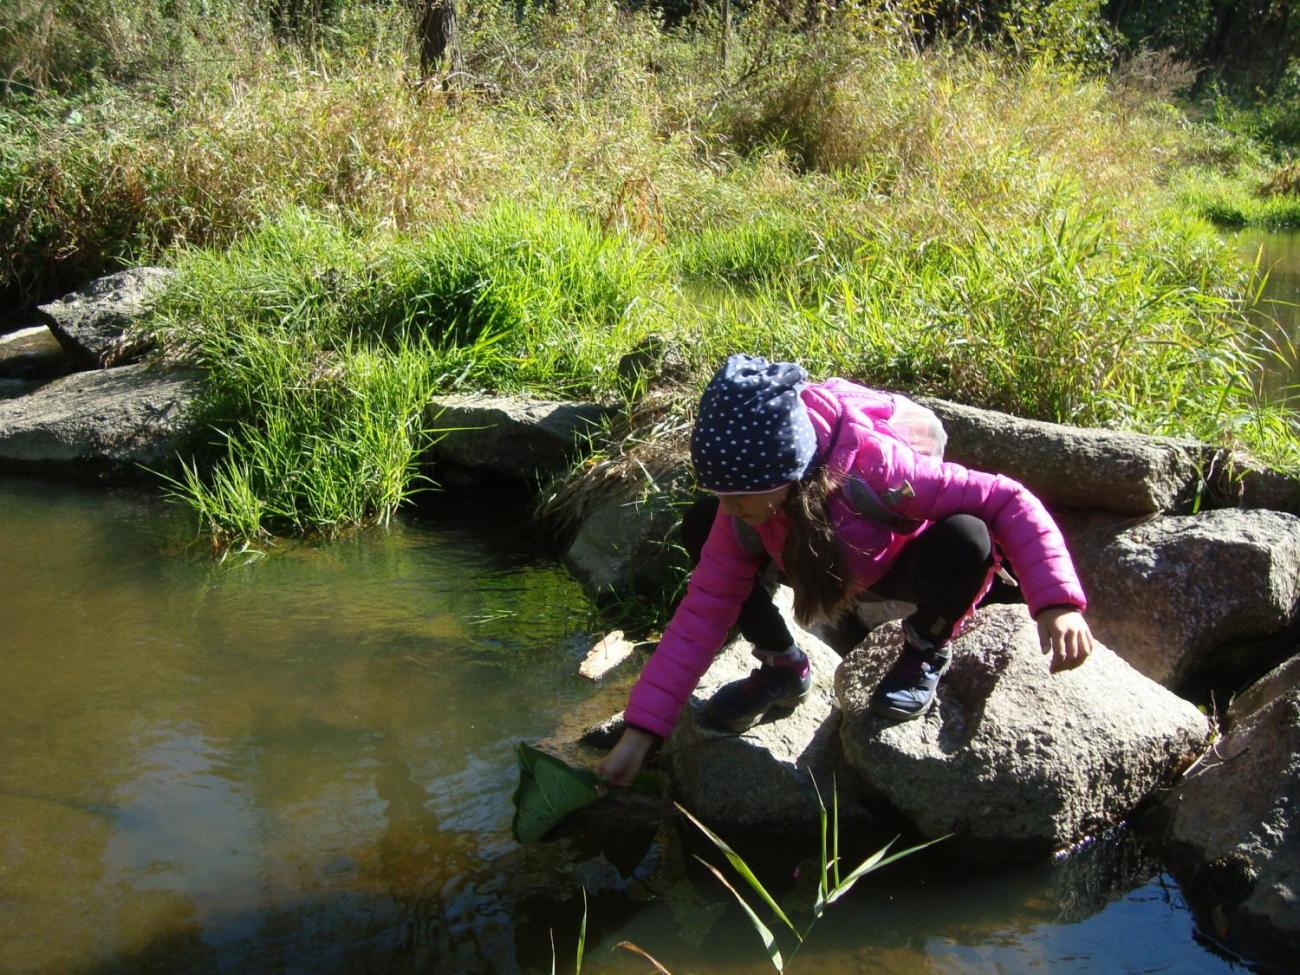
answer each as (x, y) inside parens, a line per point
(832, 883)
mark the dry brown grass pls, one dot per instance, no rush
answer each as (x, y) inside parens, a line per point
(1284, 181)
(645, 453)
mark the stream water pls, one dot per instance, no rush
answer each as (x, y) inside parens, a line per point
(1278, 253)
(303, 764)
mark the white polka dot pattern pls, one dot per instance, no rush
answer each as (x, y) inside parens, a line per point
(752, 432)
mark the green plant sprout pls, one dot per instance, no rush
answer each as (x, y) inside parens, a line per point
(582, 939)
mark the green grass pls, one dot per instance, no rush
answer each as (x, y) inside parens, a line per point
(1238, 199)
(323, 344)
(319, 452)
(323, 341)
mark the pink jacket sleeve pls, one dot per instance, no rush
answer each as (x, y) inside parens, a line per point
(718, 587)
(1016, 519)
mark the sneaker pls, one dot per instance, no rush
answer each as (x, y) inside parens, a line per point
(907, 690)
(738, 706)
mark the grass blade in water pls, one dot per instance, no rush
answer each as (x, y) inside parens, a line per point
(742, 868)
(764, 932)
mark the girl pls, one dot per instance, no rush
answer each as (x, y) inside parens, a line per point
(803, 475)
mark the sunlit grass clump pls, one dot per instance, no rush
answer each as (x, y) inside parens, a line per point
(1250, 199)
(1061, 319)
(323, 345)
(324, 341)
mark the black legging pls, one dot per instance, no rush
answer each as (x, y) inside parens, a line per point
(941, 571)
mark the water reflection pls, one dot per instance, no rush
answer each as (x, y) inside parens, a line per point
(1278, 254)
(287, 765)
(1107, 909)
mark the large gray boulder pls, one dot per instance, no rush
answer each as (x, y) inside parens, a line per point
(1232, 825)
(111, 422)
(763, 780)
(622, 547)
(1190, 600)
(1241, 481)
(91, 324)
(511, 436)
(1073, 467)
(1014, 760)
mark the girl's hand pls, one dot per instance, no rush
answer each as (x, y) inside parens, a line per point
(1064, 633)
(624, 760)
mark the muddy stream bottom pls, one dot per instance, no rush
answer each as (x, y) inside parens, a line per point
(303, 763)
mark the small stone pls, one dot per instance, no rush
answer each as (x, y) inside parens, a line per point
(607, 653)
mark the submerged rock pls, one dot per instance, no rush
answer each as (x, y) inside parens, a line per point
(510, 436)
(1015, 760)
(1232, 825)
(1194, 599)
(91, 324)
(110, 422)
(31, 354)
(763, 780)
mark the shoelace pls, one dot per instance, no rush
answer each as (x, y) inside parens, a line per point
(918, 662)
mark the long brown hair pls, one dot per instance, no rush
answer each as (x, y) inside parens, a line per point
(815, 563)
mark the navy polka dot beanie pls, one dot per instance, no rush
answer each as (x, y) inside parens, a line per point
(752, 432)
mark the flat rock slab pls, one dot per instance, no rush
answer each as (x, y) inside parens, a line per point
(762, 780)
(1232, 826)
(108, 422)
(511, 436)
(1073, 467)
(91, 323)
(605, 654)
(1014, 760)
(1193, 599)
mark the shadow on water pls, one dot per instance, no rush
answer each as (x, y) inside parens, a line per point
(932, 917)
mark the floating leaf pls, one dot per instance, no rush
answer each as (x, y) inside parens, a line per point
(548, 791)
(607, 654)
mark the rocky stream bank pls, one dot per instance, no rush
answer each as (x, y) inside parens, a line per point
(1186, 723)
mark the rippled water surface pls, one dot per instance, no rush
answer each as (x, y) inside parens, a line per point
(303, 764)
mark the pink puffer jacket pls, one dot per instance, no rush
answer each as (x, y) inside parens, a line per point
(916, 487)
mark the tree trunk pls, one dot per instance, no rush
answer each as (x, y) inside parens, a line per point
(439, 37)
(724, 49)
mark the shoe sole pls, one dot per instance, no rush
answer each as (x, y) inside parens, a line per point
(784, 704)
(894, 714)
